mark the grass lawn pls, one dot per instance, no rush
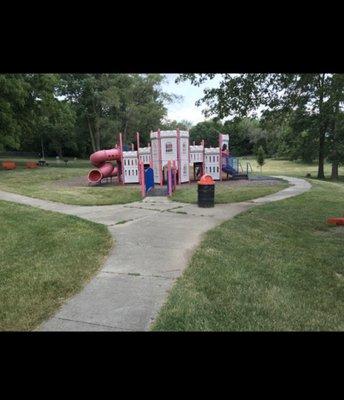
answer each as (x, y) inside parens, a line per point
(288, 168)
(78, 163)
(45, 257)
(41, 183)
(228, 194)
(277, 267)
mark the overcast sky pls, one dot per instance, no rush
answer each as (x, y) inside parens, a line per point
(186, 108)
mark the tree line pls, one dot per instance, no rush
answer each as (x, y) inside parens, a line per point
(76, 114)
(295, 116)
(301, 115)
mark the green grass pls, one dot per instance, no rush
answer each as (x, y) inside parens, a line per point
(288, 168)
(41, 183)
(78, 163)
(228, 194)
(277, 267)
(45, 257)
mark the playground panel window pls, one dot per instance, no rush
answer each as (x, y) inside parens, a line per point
(169, 147)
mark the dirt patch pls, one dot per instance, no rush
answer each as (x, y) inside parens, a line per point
(78, 181)
(82, 181)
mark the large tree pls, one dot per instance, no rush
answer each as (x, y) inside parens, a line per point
(14, 93)
(110, 103)
(246, 94)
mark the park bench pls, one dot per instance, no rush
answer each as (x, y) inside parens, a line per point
(42, 163)
(9, 165)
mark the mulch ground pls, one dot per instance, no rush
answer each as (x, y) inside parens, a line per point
(81, 181)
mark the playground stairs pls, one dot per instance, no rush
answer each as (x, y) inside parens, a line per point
(158, 191)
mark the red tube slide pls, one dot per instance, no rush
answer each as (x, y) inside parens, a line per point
(102, 161)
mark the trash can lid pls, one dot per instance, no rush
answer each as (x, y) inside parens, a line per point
(206, 180)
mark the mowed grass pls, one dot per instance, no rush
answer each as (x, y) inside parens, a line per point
(78, 163)
(42, 183)
(277, 267)
(228, 194)
(285, 167)
(45, 258)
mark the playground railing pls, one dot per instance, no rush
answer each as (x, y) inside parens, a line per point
(249, 168)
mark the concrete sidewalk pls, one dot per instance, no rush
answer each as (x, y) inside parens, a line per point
(153, 244)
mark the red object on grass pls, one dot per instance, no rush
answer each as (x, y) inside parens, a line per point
(336, 221)
(9, 165)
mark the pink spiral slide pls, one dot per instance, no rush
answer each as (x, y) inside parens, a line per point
(102, 161)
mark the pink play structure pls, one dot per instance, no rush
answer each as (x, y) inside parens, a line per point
(102, 161)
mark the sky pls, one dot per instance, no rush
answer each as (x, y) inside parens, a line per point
(186, 109)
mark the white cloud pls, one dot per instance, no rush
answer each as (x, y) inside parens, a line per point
(189, 113)
(186, 109)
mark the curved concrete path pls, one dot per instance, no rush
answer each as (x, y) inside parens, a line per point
(153, 243)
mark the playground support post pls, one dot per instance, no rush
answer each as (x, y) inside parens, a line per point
(203, 163)
(120, 170)
(138, 147)
(174, 175)
(151, 156)
(189, 156)
(178, 157)
(142, 178)
(169, 178)
(138, 143)
(220, 156)
(160, 158)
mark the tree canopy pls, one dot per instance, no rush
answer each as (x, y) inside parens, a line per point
(75, 114)
(314, 101)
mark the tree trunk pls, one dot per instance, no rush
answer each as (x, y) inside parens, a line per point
(97, 135)
(321, 174)
(334, 172)
(322, 131)
(91, 134)
(96, 127)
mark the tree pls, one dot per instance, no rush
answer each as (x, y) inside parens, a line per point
(109, 103)
(244, 94)
(335, 134)
(207, 130)
(260, 157)
(14, 93)
(183, 125)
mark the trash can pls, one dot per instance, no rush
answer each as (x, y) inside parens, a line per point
(206, 191)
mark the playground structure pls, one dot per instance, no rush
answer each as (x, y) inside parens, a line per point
(166, 161)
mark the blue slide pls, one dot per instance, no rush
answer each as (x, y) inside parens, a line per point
(228, 168)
